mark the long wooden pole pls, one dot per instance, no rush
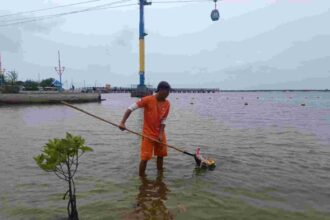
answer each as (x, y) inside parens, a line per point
(133, 132)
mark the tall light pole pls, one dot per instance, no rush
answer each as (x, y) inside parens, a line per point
(2, 73)
(59, 69)
(141, 90)
(142, 34)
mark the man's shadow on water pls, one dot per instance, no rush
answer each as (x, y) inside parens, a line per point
(151, 200)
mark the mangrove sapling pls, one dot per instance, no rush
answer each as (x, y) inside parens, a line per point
(61, 156)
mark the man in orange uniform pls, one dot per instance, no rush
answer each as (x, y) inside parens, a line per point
(156, 109)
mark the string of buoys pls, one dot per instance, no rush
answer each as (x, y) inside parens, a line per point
(246, 103)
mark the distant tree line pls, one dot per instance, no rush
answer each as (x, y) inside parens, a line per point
(10, 83)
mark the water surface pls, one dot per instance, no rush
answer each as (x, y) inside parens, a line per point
(273, 159)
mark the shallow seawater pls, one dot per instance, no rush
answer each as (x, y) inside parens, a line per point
(273, 159)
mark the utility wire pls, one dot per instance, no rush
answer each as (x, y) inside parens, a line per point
(181, 1)
(94, 8)
(50, 8)
(63, 14)
(43, 17)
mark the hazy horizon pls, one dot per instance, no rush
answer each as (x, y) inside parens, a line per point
(258, 44)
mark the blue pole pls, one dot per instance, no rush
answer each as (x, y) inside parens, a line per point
(142, 34)
(141, 42)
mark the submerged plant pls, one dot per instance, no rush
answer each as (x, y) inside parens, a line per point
(61, 156)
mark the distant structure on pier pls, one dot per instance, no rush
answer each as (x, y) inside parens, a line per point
(2, 73)
(60, 69)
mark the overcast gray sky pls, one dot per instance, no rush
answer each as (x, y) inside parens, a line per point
(257, 44)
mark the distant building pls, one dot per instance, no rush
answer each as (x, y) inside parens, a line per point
(2, 73)
(107, 88)
(57, 84)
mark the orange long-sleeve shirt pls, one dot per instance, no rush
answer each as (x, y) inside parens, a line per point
(155, 113)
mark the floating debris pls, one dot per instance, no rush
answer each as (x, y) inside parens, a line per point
(205, 163)
(182, 208)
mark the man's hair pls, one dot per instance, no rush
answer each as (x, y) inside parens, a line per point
(163, 85)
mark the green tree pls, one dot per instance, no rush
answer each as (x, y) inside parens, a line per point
(20, 83)
(61, 156)
(2, 79)
(47, 82)
(12, 76)
(31, 85)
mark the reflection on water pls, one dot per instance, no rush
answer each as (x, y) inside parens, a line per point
(151, 199)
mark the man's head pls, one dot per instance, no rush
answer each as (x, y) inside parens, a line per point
(163, 89)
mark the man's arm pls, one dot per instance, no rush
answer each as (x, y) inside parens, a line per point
(124, 119)
(161, 133)
(162, 125)
(128, 112)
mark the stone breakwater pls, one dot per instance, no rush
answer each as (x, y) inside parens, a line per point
(40, 98)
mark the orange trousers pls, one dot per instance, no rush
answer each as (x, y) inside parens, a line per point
(150, 148)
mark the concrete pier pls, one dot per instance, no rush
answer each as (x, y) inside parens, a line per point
(48, 97)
